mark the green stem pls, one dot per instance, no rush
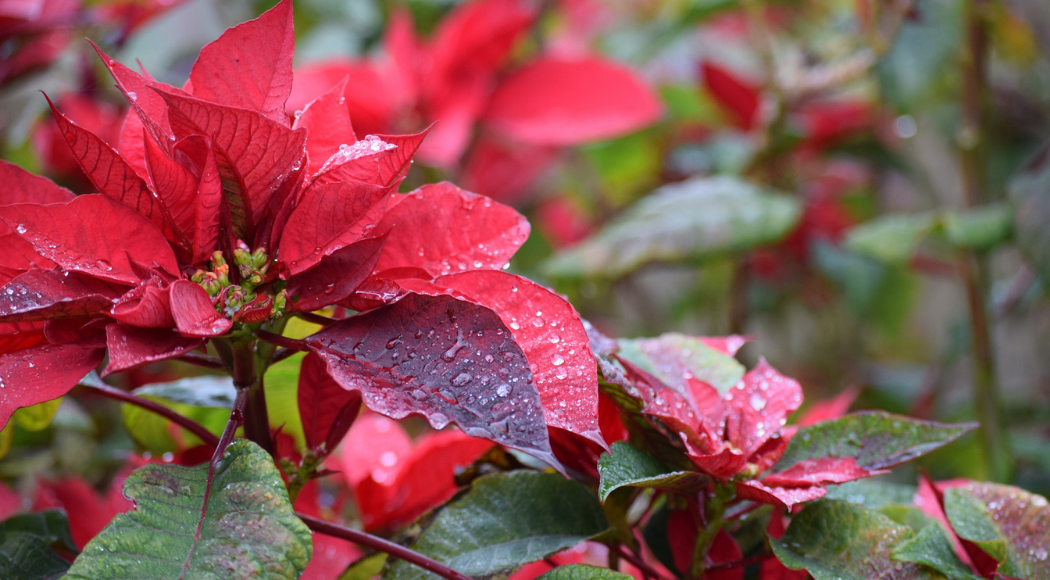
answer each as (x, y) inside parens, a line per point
(714, 514)
(246, 379)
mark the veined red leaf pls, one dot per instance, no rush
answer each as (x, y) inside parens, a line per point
(94, 235)
(371, 97)
(208, 199)
(21, 186)
(738, 97)
(758, 406)
(376, 159)
(254, 154)
(193, 311)
(18, 255)
(176, 187)
(327, 123)
(147, 108)
(250, 65)
(820, 471)
(42, 373)
(559, 102)
(324, 405)
(329, 217)
(131, 346)
(549, 332)
(20, 335)
(113, 176)
(449, 360)
(754, 490)
(487, 233)
(336, 278)
(47, 294)
(146, 306)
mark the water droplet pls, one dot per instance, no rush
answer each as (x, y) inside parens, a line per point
(758, 402)
(503, 390)
(388, 459)
(557, 360)
(132, 96)
(20, 228)
(461, 379)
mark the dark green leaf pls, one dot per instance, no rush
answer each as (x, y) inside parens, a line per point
(506, 520)
(582, 572)
(931, 547)
(1010, 524)
(876, 439)
(836, 540)
(51, 526)
(29, 557)
(238, 525)
(670, 355)
(873, 493)
(691, 220)
(630, 466)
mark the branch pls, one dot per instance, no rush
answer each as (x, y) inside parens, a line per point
(281, 354)
(382, 545)
(647, 570)
(316, 318)
(739, 563)
(289, 343)
(182, 421)
(201, 360)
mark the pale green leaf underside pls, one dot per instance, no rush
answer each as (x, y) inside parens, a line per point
(249, 529)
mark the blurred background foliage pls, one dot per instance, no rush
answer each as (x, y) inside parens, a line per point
(861, 186)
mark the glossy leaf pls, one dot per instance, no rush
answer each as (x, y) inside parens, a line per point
(691, 220)
(21, 186)
(27, 556)
(557, 102)
(873, 493)
(630, 466)
(131, 346)
(583, 572)
(46, 295)
(250, 65)
(506, 520)
(487, 233)
(377, 160)
(245, 526)
(193, 311)
(836, 540)
(42, 373)
(877, 440)
(1009, 524)
(551, 334)
(328, 127)
(675, 358)
(931, 547)
(337, 276)
(446, 359)
(113, 245)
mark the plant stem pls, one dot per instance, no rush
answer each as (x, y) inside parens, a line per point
(382, 545)
(282, 341)
(740, 563)
(201, 360)
(647, 570)
(713, 519)
(973, 268)
(316, 318)
(236, 416)
(182, 421)
(245, 378)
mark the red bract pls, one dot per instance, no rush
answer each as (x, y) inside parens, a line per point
(454, 77)
(737, 436)
(220, 215)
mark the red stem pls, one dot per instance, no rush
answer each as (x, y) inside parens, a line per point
(379, 544)
(284, 341)
(738, 563)
(316, 318)
(201, 360)
(185, 422)
(646, 569)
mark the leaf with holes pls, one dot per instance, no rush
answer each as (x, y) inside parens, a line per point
(506, 520)
(236, 525)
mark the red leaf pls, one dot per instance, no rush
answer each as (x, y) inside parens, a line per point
(725, 344)
(176, 187)
(550, 333)
(487, 233)
(820, 471)
(479, 35)
(329, 217)
(113, 176)
(47, 294)
(20, 335)
(193, 311)
(830, 409)
(446, 359)
(207, 202)
(758, 406)
(559, 102)
(504, 171)
(88, 513)
(145, 306)
(327, 124)
(130, 346)
(782, 496)
(42, 373)
(370, 97)
(21, 186)
(336, 278)
(250, 65)
(94, 235)
(323, 403)
(148, 110)
(254, 154)
(739, 98)
(372, 448)
(376, 159)
(425, 479)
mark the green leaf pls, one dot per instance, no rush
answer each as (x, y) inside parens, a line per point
(365, 568)
(237, 525)
(37, 417)
(931, 547)
(893, 238)
(629, 466)
(205, 399)
(1009, 523)
(583, 572)
(506, 520)
(692, 220)
(28, 544)
(876, 439)
(837, 540)
(980, 228)
(873, 493)
(919, 71)
(669, 355)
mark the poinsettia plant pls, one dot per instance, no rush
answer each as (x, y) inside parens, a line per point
(325, 377)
